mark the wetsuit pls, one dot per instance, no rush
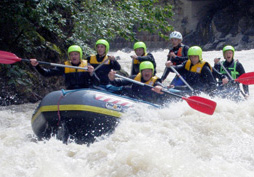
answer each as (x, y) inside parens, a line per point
(198, 76)
(136, 63)
(236, 69)
(140, 92)
(103, 71)
(218, 75)
(74, 78)
(181, 52)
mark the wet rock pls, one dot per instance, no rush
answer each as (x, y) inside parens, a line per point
(209, 24)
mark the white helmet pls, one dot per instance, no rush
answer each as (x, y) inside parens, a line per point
(176, 35)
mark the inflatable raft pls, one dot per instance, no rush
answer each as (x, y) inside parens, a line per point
(81, 115)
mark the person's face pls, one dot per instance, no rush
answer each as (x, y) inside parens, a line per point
(194, 59)
(147, 74)
(75, 57)
(229, 55)
(139, 52)
(175, 42)
(101, 49)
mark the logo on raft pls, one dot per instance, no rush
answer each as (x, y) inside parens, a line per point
(114, 103)
(113, 106)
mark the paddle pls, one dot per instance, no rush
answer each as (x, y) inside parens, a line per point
(177, 73)
(100, 65)
(10, 58)
(198, 103)
(246, 78)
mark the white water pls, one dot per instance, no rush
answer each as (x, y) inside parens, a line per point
(175, 141)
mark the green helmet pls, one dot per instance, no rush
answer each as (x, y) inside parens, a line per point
(140, 45)
(75, 48)
(195, 50)
(146, 65)
(103, 42)
(228, 47)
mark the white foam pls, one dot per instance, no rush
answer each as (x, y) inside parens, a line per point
(174, 141)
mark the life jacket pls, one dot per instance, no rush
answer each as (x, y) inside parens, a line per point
(232, 70)
(136, 61)
(180, 51)
(197, 68)
(179, 54)
(83, 63)
(93, 60)
(149, 82)
(77, 78)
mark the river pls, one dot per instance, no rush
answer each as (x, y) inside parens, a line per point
(176, 141)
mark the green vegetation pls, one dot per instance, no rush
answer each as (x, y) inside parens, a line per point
(44, 29)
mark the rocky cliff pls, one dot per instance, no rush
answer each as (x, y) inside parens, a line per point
(222, 22)
(210, 24)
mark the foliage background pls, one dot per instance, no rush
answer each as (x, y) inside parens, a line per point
(44, 29)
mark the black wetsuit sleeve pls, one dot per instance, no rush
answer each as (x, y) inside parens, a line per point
(57, 71)
(115, 65)
(165, 74)
(209, 79)
(179, 68)
(241, 71)
(148, 57)
(120, 82)
(217, 66)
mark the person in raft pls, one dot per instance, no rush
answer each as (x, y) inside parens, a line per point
(196, 71)
(143, 92)
(140, 56)
(74, 78)
(177, 54)
(233, 67)
(108, 62)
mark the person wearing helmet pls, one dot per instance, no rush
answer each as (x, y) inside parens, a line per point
(234, 67)
(102, 48)
(196, 71)
(140, 56)
(177, 54)
(145, 75)
(74, 78)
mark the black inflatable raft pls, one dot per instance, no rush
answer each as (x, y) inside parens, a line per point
(81, 115)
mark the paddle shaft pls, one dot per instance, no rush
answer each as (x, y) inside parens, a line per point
(177, 73)
(10, 58)
(56, 64)
(66, 66)
(198, 103)
(143, 84)
(100, 65)
(231, 78)
(229, 75)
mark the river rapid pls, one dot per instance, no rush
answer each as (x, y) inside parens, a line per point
(176, 141)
